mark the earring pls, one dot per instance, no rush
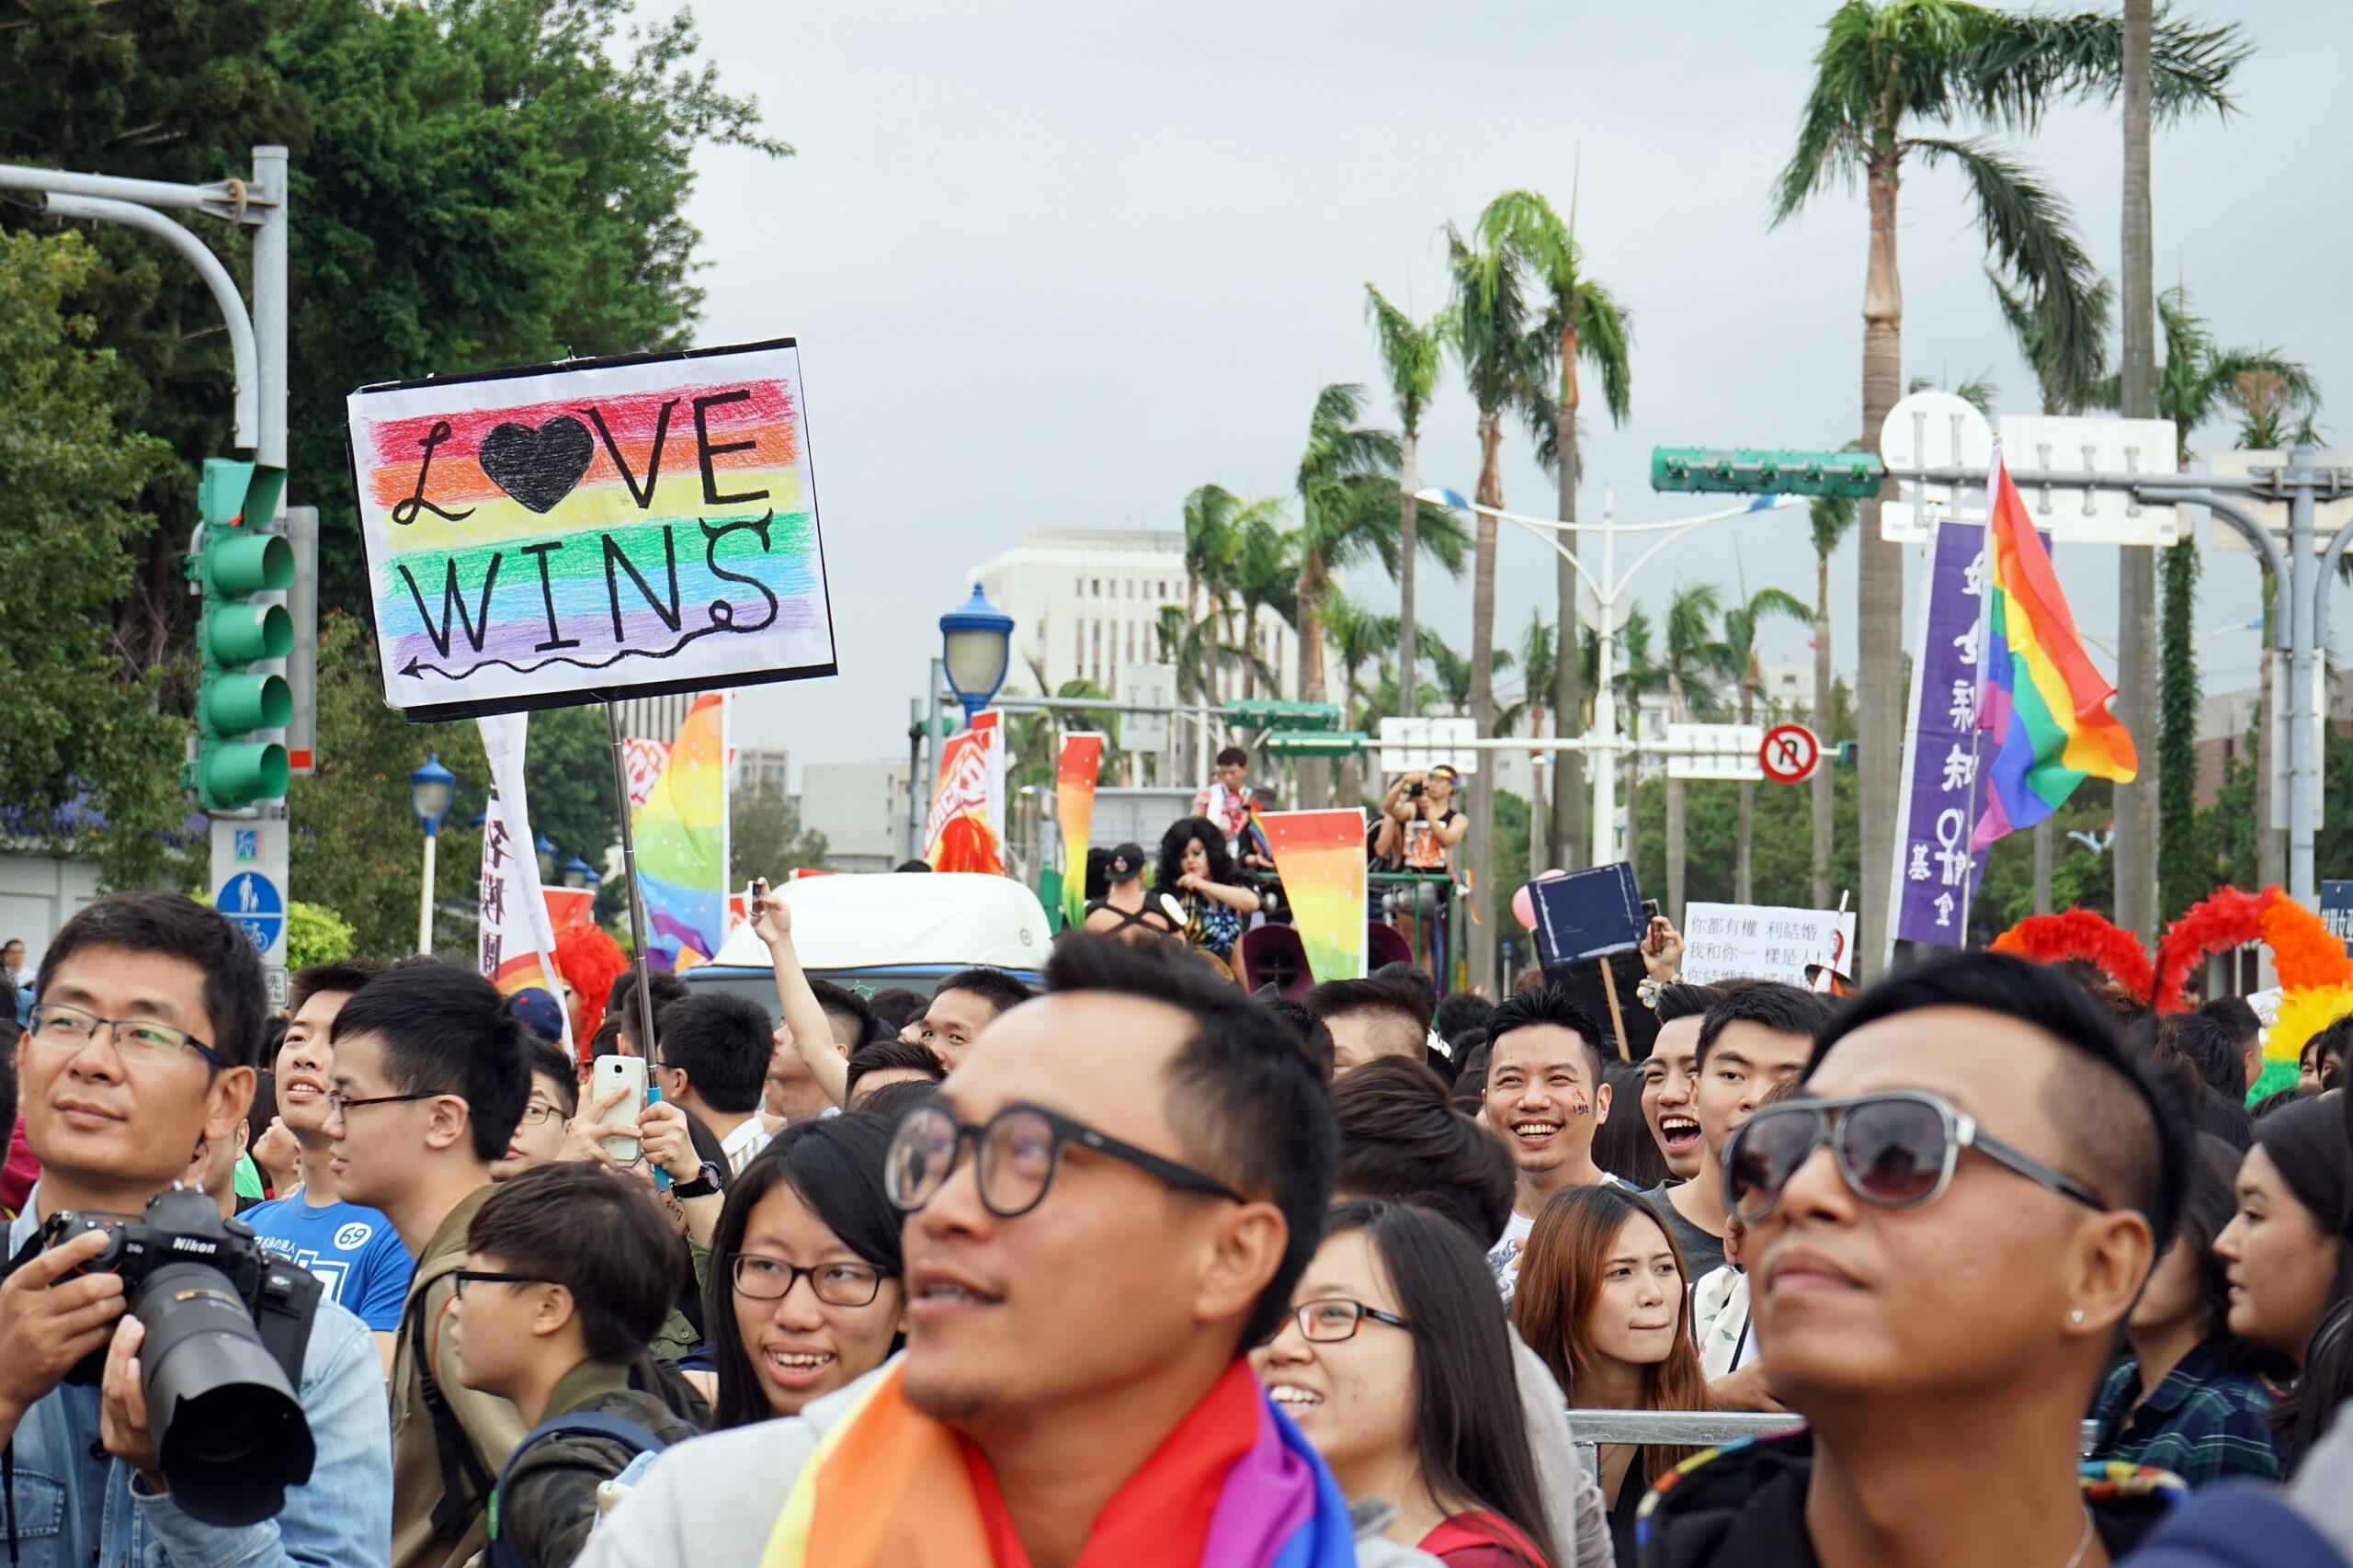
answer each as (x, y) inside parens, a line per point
(2076, 1316)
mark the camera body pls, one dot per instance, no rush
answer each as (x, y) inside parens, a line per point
(227, 1324)
(1414, 790)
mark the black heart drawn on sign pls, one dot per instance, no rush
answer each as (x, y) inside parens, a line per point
(539, 467)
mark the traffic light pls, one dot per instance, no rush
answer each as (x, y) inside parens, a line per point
(236, 558)
(1741, 471)
(1843, 756)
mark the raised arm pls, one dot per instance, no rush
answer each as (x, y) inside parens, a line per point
(812, 1036)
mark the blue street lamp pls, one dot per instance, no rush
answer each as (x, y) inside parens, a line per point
(430, 789)
(578, 873)
(976, 643)
(546, 848)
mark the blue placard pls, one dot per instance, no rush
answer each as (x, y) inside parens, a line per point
(2336, 909)
(254, 906)
(1587, 912)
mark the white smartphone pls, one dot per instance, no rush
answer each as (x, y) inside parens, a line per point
(612, 1073)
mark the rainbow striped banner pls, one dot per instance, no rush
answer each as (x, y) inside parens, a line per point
(682, 843)
(592, 529)
(1075, 773)
(1320, 857)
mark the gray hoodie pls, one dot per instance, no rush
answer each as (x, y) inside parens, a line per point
(713, 1502)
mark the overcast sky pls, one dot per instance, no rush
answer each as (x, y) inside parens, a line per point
(1053, 264)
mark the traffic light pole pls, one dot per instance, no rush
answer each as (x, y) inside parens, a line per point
(249, 849)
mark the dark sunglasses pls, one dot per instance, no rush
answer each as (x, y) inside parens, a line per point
(1895, 1150)
(1021, 1149)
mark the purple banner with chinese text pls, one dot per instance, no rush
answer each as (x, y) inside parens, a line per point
(1935, 873)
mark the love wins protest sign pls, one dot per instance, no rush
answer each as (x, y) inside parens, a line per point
(592, 529)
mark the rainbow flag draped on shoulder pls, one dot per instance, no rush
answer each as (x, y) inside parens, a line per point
(2042, 701)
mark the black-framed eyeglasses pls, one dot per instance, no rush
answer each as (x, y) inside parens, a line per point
(1894, 1149)
(537, 1111)
(1328, 1320)
(465, 1277)
(761, 1278)
(1020, 1148)
(339, 1104)
(54, 1025)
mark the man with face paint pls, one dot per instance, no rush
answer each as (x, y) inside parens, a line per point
(1545, 1097)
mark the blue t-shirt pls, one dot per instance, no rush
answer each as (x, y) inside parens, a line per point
(355, 1250)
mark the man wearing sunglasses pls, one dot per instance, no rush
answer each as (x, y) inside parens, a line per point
(1946, 1227)
(431, 1074)
(1107, 1206)
(140, 1052)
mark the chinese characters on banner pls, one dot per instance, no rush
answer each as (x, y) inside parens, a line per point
(517, 938)
(1727, 941)
(1943, 783)
(966, 829)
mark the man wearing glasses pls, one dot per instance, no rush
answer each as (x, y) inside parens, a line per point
(431, 1073)
(140, 1053)
(353, 1249)
(1946, 1227)
(1105, 1207)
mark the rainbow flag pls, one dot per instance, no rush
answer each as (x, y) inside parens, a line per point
(1076, 772)
(1320, 857)
(2039, 697)
(682, 842)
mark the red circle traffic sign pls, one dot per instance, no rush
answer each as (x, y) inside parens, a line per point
(1790, 755)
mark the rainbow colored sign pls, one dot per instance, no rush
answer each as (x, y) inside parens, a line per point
(1320, 857)
(594, 530)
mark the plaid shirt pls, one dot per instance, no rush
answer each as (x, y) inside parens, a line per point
(2203, 1423)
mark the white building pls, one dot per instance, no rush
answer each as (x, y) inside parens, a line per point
(861, 808)
(1086, 604)
(762, 768)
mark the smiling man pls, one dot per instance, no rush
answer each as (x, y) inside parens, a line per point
(354, 1249)
(1667, 1078)
(140, 1054)
(1094, 1238)
(1544, 1094)
(1945, 1228)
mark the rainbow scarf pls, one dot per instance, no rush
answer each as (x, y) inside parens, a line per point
(2041, 700)
(1235, 1486)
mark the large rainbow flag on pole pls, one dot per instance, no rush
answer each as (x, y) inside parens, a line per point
(2040, 699)
(682, 842)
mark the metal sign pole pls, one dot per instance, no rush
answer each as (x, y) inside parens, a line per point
(628, 875)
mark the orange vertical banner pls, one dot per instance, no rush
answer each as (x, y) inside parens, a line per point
(1075, 773)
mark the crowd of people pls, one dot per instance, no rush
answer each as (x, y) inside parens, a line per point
(1146, 1270)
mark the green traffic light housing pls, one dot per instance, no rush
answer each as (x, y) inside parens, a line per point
(235, 559)
(1747, 471)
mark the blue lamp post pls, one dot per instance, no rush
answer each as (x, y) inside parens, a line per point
(976, 643)
(578, 873)
(546, 848)
(430, 789)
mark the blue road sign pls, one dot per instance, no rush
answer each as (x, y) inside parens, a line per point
(255, 906)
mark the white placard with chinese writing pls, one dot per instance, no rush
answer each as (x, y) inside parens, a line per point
(1755, 941)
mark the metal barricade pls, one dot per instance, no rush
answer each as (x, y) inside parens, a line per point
(1693, 1430)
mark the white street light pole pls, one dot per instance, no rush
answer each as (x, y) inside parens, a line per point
(1602, 743)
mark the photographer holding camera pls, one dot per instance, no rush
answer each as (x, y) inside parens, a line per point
(144, 1031)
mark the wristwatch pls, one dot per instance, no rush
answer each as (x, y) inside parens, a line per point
(706, 1185)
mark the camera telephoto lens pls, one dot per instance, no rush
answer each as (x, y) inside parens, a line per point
(229, 1435)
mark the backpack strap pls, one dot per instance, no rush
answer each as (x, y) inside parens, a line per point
(618, 1428)
(463, 1477)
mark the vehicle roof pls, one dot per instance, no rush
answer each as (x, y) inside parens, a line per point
(887, 918)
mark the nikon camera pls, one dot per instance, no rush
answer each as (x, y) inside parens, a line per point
(227, 1323)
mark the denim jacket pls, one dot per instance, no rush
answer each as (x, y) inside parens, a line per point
(67, 1509)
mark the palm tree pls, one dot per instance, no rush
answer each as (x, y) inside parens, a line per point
(1457, 683)
(1358, 637)
(2275, 397)
(1265, 576)
(1696, 656)
(1639, 675)
(2068, 373)
(1411, 355)
(1033, 740)
(1884, 67)
(1502, 364)
(1348, 512)
(1584, 322)
(1741, 623)
(1535, 657)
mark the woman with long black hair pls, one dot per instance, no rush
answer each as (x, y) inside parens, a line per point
(1195, 870)
(805, 1291)
(1396, 1363)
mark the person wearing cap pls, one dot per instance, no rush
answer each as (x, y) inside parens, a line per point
(1123, 911)
(540, 1012)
